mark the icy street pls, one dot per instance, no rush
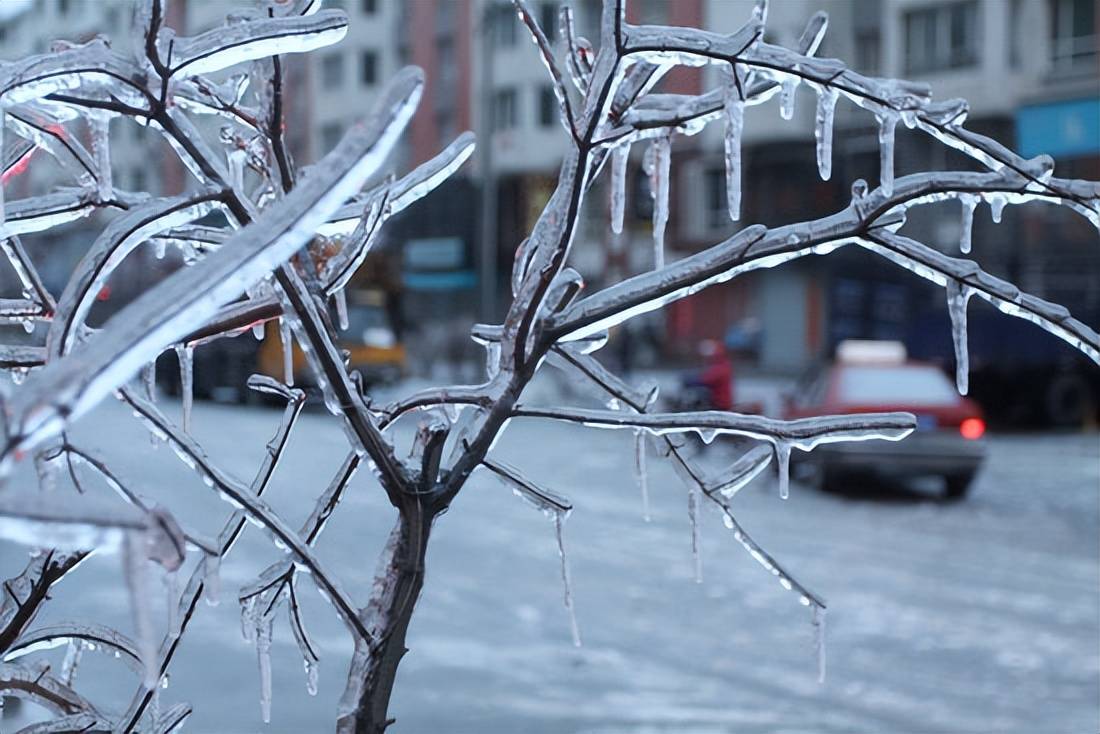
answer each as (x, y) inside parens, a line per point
(975, 617)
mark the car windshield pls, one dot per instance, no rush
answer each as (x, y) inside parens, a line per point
(871, 385)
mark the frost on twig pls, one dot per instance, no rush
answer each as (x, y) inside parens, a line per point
(280, 242)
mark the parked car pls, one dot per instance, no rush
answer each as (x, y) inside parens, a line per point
(869, 376)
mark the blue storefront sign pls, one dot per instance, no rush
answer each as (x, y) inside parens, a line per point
(1061, 129)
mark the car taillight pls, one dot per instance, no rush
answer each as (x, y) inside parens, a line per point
(972, 428)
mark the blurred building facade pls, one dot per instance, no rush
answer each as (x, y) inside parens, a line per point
(1029, 69)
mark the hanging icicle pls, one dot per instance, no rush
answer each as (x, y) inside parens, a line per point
(783, 466)
(340, 298)
(958, 295)
(137, 583)
(288, 350)
(819, 640)
(620, 157)
(887, 125)
(662, 161)
(787, 89)
(185, 356)
(559, 520)
(263, 656)
(823, 131)
(734, 104)
(996, 206)
(969, 204)
(640, 472)
(693, 518)
(211, 579)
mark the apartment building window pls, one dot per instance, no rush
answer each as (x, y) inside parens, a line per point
(548, 19)
(1074, 41)
(716, 211)
(504, 109)
(332, 71)
(330, 135)
(941, 37)
(368, 68)
(504, 23)
(868, 51)
(548, 106)
(370, 7)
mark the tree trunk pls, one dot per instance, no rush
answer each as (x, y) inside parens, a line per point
(364, 706)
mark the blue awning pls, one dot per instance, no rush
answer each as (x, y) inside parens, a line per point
(1061, 129)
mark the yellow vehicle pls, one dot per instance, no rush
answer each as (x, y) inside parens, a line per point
(371, 341)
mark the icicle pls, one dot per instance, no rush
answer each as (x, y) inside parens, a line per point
(823, 131)
(137, 583)
(559, 520)
(28, 326)
(620, 156)
(735, 121)
(100, 123)
(341, 299)
(171, 585)
(211, 579)
(662, 161)
(819, 641)
(887, 123)
(160, 247)
(957, 297)
(149, 379)
(640, 471)
(311, 667)
(786, 97)
(969, 203)
(185, 354)
(73, 654)
(249, 614)
(996, 206)
(258, 331)
(783, 465)
(760, 11)
(263, 655)
(288, 351)
(693, 517)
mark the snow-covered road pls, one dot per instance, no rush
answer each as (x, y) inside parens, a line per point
(982, 616)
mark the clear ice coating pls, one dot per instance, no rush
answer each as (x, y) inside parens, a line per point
(823, 131)
(958, 295)
(344, 200)
(640, 473)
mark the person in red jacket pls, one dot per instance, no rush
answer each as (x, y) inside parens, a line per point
(716, 376)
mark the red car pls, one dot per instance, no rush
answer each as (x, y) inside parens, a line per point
(876, 376)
